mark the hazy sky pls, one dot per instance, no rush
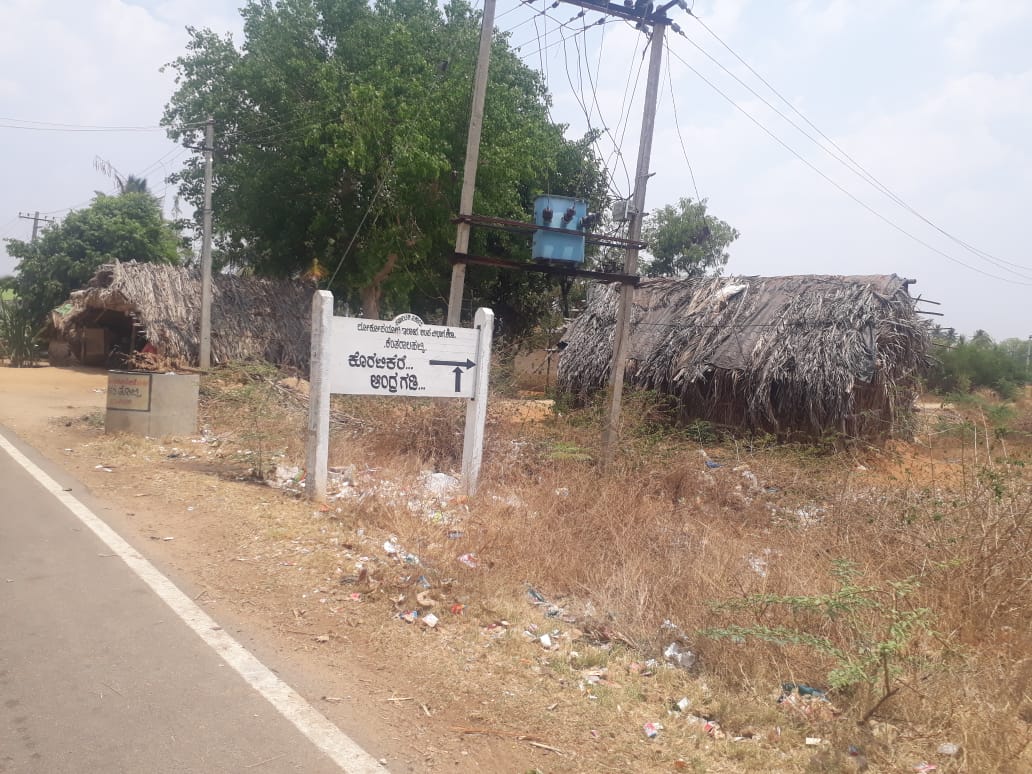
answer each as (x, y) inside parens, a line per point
(932, 99)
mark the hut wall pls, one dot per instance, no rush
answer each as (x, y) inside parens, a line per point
(783, 354)
(252, 318)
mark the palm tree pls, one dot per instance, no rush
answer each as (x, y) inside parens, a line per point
(132, 184)
(126, 184)
(982, 338)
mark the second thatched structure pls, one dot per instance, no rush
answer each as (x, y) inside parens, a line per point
(791, 355)
(128, 306)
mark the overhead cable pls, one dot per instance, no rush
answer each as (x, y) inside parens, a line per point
(888, 221)
(845, 159)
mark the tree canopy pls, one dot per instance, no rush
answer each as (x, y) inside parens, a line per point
(962, 365)
(685, 241)
(126, 227)
(341, 131)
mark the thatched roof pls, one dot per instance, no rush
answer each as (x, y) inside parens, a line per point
(801, 353)
(251, 318)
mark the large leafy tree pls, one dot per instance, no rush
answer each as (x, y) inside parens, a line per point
(126, 227)
(341, 131)
(686, 241)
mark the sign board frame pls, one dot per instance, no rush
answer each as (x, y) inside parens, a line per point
(403, 357)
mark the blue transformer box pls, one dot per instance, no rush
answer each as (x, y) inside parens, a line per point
(559, 212)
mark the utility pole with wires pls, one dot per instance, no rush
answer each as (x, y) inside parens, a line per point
(36, 219)
(659, 21)
(469, 172)
(209, 150)
(645, 14)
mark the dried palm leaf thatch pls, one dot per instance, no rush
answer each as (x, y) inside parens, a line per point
(251, 318)
(799, 354)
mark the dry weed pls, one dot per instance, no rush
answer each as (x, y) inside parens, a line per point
(642, 555)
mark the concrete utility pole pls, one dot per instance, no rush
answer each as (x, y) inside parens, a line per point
(209, 152)
(35, 218)
(469, 173)
(611, 432)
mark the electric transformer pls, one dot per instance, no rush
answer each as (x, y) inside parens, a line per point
(561, 222)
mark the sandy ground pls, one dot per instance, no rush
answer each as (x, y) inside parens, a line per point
(184, 517)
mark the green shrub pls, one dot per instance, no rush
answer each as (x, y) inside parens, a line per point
(17, 335)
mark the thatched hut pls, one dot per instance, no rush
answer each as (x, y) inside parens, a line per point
(802, 354)
(128, 305)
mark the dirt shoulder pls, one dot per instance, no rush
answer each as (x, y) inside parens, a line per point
(219, 539)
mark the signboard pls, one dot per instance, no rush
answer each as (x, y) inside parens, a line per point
(128, 391)
(402, 357)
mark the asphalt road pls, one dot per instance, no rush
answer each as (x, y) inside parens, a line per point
(98, 674)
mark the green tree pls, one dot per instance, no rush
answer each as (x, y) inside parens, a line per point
(126, 227)
(982, 339)
(966, 364)
(685, 241)
(1020, 352)
(341, 131)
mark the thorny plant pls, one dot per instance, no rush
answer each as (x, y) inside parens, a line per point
(868, 631)
(253, 398)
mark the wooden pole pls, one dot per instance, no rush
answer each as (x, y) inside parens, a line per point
(611, 431)
(209, 148)
(469, 173)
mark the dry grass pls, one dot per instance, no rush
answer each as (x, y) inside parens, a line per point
(662, 538)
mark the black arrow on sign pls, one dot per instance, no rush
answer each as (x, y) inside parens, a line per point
(467, 365)
(458, 379)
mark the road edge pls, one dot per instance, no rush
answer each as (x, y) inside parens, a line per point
(337, 745)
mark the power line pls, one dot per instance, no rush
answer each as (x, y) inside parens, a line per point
(582, 102)
(47, 126)
(176, 153)
(271, 132)
(361, 223)
(81, 127)
(677, 126)
(561, 25)
(563, 39)
(543, 45)
(853, 165)
(625, 114)
(69, 129)
(852, 196)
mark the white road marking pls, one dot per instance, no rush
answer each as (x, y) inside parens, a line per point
(343, 750)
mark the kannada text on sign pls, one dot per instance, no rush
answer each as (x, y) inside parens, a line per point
(129, 392)
(403, 358)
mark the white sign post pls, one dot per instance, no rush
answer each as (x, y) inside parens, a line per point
(317, 438)
(401, 357)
